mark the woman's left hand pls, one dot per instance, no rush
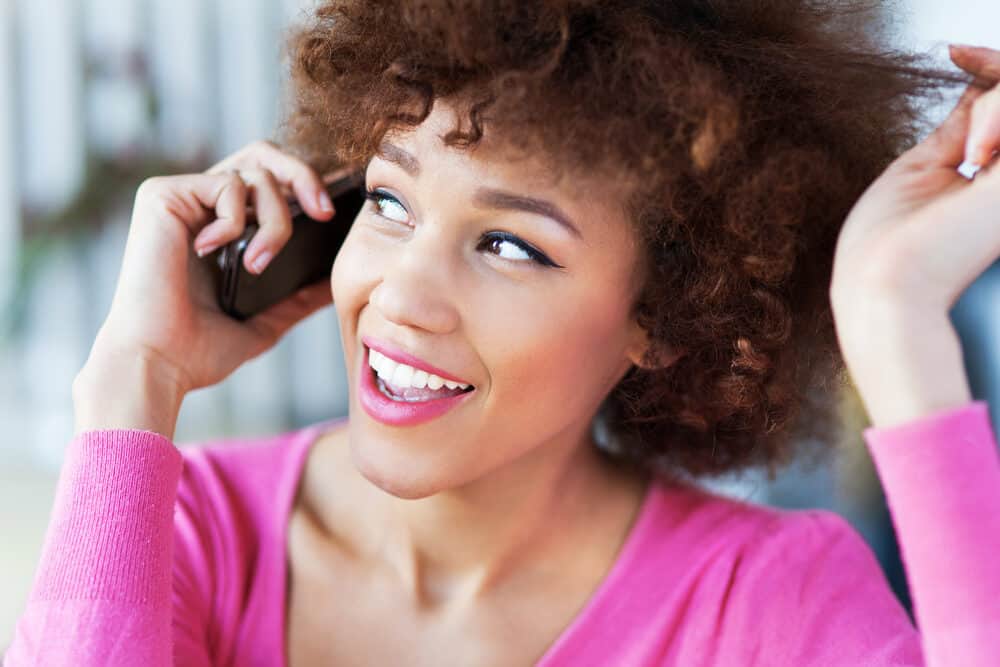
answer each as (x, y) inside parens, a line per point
(916, 239)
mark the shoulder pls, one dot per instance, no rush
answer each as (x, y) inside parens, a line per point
(684, 510)
(802, 585)
(767, 544)
(232, 502)
(246, 471)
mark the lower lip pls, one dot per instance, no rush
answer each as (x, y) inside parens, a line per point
(399, 413)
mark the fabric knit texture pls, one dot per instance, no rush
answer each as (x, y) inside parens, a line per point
(157, 556)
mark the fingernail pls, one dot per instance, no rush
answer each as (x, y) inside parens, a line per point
(261, 261)
(324, 202)
(206, 248)
(973, 154)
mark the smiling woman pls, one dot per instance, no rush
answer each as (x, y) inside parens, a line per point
(578, 214)
(712, 133)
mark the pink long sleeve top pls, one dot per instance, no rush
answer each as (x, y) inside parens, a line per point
(157, 556)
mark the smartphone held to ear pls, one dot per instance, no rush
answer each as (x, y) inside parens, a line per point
(307, 257)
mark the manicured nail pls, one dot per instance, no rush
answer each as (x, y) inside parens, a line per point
(324, 202)
(973, 154)
(206, 248)
(261, 261)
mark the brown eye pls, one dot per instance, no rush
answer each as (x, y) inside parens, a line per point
(508, 246)
(387, 206)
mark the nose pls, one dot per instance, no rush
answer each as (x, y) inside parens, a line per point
(414, 290)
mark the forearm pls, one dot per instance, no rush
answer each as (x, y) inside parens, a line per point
(101, 594)
(942, 482)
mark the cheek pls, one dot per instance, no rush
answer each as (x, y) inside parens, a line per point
(557, 352)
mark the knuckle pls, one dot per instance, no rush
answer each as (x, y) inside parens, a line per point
(262, 146)
(300, 166)
(151, 187)
(154, 195)
(276, 230)
(230, 224)
(233, 181)
(250, 175)
(265, 176)
(282, 233)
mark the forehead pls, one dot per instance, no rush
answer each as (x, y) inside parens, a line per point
(498, 163)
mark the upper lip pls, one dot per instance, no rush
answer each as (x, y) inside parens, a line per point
(399, 355)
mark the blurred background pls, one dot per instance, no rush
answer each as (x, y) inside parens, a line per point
(97, 95)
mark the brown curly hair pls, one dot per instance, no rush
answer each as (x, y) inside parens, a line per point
(743, 129)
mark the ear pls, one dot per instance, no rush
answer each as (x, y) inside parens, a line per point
(639, 343)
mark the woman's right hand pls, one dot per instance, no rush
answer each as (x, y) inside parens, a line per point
(164, 311)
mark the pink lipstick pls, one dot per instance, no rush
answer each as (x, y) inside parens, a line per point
(384, 409)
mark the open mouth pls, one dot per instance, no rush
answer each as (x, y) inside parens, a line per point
(403, 383)
(415, 395)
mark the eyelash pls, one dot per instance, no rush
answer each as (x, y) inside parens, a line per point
(536, 255)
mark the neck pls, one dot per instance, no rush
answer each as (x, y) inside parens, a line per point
(462, 543)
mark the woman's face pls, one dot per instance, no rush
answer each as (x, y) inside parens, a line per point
(453, 264)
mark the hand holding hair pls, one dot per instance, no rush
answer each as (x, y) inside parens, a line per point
(915, 240)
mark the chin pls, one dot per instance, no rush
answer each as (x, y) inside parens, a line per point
(400, 476)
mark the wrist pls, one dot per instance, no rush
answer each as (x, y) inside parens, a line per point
(123, 390)
(905, 363)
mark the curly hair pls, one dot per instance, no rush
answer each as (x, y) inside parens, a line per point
(743, 132)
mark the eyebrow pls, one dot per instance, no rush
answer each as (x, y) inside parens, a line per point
(487, 197)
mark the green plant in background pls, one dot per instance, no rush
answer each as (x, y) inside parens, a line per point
(109, 181)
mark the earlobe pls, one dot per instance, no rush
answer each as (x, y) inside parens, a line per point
(662, 356)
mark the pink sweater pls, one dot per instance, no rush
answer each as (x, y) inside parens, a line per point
(159, 557)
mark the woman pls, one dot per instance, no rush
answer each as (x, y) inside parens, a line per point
(623, 214)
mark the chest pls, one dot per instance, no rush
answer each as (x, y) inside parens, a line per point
(338, 613)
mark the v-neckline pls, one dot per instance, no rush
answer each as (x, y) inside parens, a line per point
(590, 609)
(599, 598)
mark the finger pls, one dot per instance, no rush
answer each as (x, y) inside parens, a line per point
(984, 129)
(290, 171)
(273, 219)
(282, 316)
(227, 194)
(195, 199)
(945, 146)
(977, 60)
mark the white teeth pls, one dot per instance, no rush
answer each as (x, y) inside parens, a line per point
(386, 368)
(402, 375)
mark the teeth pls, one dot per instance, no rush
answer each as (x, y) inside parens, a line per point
(419, 380)
(402, 375)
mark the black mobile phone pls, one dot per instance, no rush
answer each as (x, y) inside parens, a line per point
(307, 257)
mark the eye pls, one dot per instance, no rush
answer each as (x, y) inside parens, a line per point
(508, 246)
(387, 206)
(502, 244)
